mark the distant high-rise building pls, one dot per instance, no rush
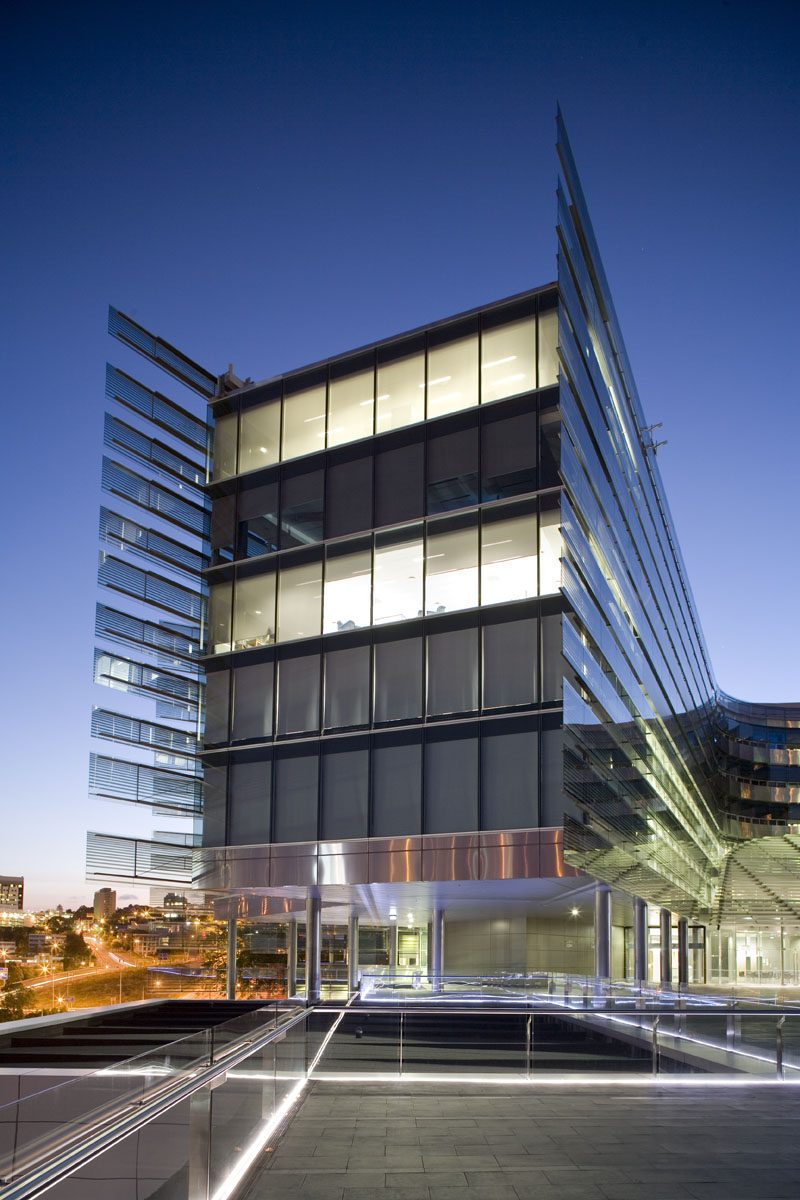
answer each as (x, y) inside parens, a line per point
(105, 903)
(11, 892)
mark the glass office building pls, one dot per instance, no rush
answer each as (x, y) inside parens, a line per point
(458, 711)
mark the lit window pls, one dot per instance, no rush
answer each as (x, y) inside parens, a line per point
(299, 601)
(259, 436)
(398, 580)
(508, 360)
(453, 376)
(304, 422)
(550, 580)
(451, 569)
(508, 559)
(352, 405)
(401, 393)
(348, 586)
(254, 612)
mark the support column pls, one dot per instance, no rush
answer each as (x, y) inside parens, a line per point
(230, 974)
(666, 945)
(602, 931)
(291, 958)
(313, 948)
(639, 940)
(683, 950)
(352, 954)
(393, 947)
(436, 950)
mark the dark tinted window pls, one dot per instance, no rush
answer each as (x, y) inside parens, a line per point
(453, 468)
(396, 786)
(301, 508)
(348, 506)
(399, 481)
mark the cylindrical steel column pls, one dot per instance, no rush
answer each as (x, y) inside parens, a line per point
(393, 947)
(602, 931)
(639, 940)
(436, 949)
(230, 973)
(313, 948)
(683, 950)
(352, 954)
(666, 946)
(291, 958)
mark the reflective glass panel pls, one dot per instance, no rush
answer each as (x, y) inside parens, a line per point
(304, 422)
(352, 401)
(508, 360)
(348, 588)
(219, 617)
(401, 393)
(259, 436)
(550, 549)
(398, 580)
(299, 601)
(548, 340)
(508, 559)
(451, 569)
(254, 612)
(252, 702)
(225, 434)
(453, 376)
(298, 694)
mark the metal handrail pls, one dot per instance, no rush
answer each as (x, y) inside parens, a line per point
(41, 1171)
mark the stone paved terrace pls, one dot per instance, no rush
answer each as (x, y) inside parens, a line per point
(418, 1141)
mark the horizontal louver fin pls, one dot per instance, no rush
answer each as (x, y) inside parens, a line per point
(127, 675)
(156, 498)
(137, 783)
(116, 727)
(157, 408)
(121, 531)
(112, 857)
(161, 353)
(149, 450)
(151, 588)
(172, 641)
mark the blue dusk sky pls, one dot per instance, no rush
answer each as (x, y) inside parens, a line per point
(270, 185)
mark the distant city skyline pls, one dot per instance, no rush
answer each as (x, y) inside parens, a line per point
(268, 188)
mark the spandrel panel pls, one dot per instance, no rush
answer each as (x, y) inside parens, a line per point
(345, 792)
(396, 788)
(295, 797)
(398, 580)
(298, 694)
(452, 469)
(548, 342)
(348, 592)
(225, 436)
(258, 520)
(347, 687)
(451, 785)
(509, 780)
(352, 403)
(259, 436)
(302, 505)
(398, 680)
(452, 682)
(508, 360)
(550, 550)
(401, 393)
(254, 612)
(249, 803)
(252, 702)
(452, 376)
(299, 601)
(510, 663)
(451, 570)
(508, 461)
(509, 559)
(220, 598)
(304, 422)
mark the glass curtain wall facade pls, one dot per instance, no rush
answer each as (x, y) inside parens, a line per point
(450, 656)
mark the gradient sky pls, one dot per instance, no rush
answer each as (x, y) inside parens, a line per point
(267, 187)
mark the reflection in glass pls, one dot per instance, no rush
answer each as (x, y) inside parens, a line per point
(219, 617)
(508, 364)
(254, 612)
(550, 566)
(401, 393)
(453, 376)
(398, 581)
(259, 436)
(225, 432)
(347, 592)
(548, 339)
(451, 570)
(299, 601)
(351, 408)
(304, 422)
(508, 559)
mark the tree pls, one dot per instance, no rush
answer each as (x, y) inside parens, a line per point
(15, 998)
